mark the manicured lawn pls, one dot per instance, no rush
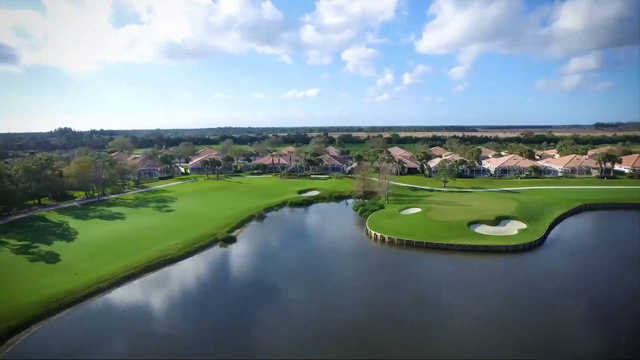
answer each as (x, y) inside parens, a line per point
(494, 182)
(49, 259)
(446, 215)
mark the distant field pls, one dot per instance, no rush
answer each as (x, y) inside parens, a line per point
(498, 133)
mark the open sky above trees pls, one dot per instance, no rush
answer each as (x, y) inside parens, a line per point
(163, 64)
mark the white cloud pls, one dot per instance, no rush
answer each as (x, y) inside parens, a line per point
(299, 94)
(386, 79)
(437, 99)
(603, 85)
(565, 28)
(381, 98)
(220, 96)
(584, 63)
(80, 35)
(335, 25)
(258, 95)
(360, 60)
(461, 87)
(413, 77)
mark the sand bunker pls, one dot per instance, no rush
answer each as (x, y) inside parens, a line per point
(410, 211)
(505, 227)
(310, 193)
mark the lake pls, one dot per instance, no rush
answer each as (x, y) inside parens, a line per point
(307, 281)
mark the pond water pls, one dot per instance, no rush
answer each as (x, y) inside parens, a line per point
(308, 282)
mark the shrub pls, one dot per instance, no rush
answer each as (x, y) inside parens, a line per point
(368, 207)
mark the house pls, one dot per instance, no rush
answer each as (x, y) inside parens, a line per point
(547, 154)
(409, 163)
(146, 167)
(438, 151)
(629, 164)
(576, 165)
(510, 165)
(334, 161)
(469, 169)
(486, 153)
(593, 152)
(278, 161)
(196, 165)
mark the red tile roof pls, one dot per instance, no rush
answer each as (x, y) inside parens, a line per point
(332, 151)
(202, 155)
(438, 151)
(593, 152)
(632, 161)
(486, 152)
(404, 156)
(511, 161)
(276, 159)
(570, 161)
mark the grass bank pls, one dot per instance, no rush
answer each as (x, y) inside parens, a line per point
(445, 216)
(52, 259)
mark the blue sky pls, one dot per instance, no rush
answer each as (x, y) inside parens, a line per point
(201, 63)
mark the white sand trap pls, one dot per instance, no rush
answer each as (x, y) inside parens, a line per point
(410, 211)
(505, 227)
(310, 193)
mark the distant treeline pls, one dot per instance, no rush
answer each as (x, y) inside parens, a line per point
(66, 138)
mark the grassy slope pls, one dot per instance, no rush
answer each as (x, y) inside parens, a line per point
(493, 182)
(48, 259)
(446, 216)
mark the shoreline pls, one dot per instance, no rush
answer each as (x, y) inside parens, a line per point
(390, 240)
(19, 332)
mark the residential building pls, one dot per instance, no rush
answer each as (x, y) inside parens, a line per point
(547, 154)
(629, 164)
(196, 165)
(512, 165)
(486, 153)
(573, 165)
(438, 151)
(593, 152)
(408, 163)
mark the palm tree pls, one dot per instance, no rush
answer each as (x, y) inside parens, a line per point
(611, 158)
(423, 158)
(600, 160)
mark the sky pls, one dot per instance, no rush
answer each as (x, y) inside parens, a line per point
(147, 64)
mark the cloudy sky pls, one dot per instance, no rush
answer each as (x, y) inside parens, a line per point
(202, 63)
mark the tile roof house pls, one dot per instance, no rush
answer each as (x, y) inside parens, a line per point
(547, 154)
(593, 152)
(486, 153)
(334, 161)
(146, 167)
(409, 162)
(629, 164)
(438, 151)
(196, 165)
(510, 165)
(279, 160)
(578, 165)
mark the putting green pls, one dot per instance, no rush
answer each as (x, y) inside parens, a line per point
(446, 216)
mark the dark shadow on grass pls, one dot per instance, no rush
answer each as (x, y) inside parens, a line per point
(93, 211)
(25, 237)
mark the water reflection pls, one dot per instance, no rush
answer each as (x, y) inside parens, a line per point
(308, 282)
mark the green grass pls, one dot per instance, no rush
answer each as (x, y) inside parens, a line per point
(446, 215)
(494, 182)
(50, 259)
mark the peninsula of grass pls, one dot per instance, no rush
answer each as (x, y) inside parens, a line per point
(53, 259)
(446, 216)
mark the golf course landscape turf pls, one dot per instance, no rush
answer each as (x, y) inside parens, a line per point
(53, 259)
(446, 216)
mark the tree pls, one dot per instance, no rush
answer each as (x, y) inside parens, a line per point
(225, 147)
(377, 144)
(447, 172)
(40, 175)
(167, 160)
(211, 163)
(535, 170)
(384, 180)
(260, 148)
(472, 154)
(80, 173)
(567, 147)
(237, 153)
(611, 158)
(317, 145)
(10, 192)
(601, 160)
(185, 150)
(121, 143)
(361, 187)
(452, 144)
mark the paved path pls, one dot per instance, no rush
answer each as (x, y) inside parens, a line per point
(88, 201)
(511, 188)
